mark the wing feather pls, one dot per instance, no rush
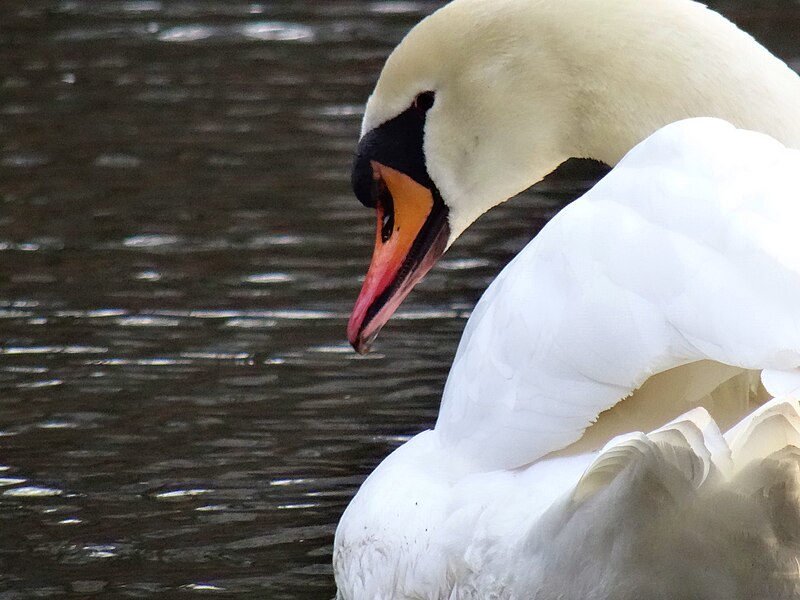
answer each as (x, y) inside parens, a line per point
(686, 251)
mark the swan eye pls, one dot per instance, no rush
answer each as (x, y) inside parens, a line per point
(424, 102)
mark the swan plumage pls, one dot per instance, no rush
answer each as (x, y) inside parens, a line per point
(484, 98)
(685, 252)
(579, 450)
(627, 285)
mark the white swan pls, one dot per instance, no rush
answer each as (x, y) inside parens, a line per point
(485, 97)
(686, 252)
(654, 274)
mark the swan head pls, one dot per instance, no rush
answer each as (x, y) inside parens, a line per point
(442, 142)
(484, 98)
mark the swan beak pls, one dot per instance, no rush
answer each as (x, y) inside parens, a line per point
(411, 235)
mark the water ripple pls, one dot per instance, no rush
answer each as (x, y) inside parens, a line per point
(203, 587)
(261, 278)
(265, 31)
(140, 6)
(40, 384)
(151, 241)
(5, 481)
(278, 32)
(117, 161)
(186, 33)
(147, 321)
(33, 492)
(24, 161)
(181, 494)
(53, 350)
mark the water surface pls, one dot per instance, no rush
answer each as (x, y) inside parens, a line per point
(180, 413)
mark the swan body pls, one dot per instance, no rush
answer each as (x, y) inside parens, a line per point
(579, 450)
(686, 254)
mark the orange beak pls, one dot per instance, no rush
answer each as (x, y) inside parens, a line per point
(411, 235)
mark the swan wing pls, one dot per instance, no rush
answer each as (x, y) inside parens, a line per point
(686, 251)
(678, 513)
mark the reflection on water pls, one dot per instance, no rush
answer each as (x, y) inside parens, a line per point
(179, 251)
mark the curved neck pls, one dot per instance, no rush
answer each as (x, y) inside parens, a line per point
(529, 84)
(669, 62)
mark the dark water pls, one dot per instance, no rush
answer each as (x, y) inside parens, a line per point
(180, 413)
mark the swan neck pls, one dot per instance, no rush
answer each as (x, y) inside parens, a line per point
(663, 65)
(529, 84)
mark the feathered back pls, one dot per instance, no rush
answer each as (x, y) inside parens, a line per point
(670, 515)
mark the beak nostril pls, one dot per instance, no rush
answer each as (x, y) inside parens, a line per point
(387, 227)
(386, 208)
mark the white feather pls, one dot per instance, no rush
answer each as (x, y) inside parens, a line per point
(681, 261)
(657, 298)
(626, 283)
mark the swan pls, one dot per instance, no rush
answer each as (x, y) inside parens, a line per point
(484, 98)
(684, 257)
(578, 451)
